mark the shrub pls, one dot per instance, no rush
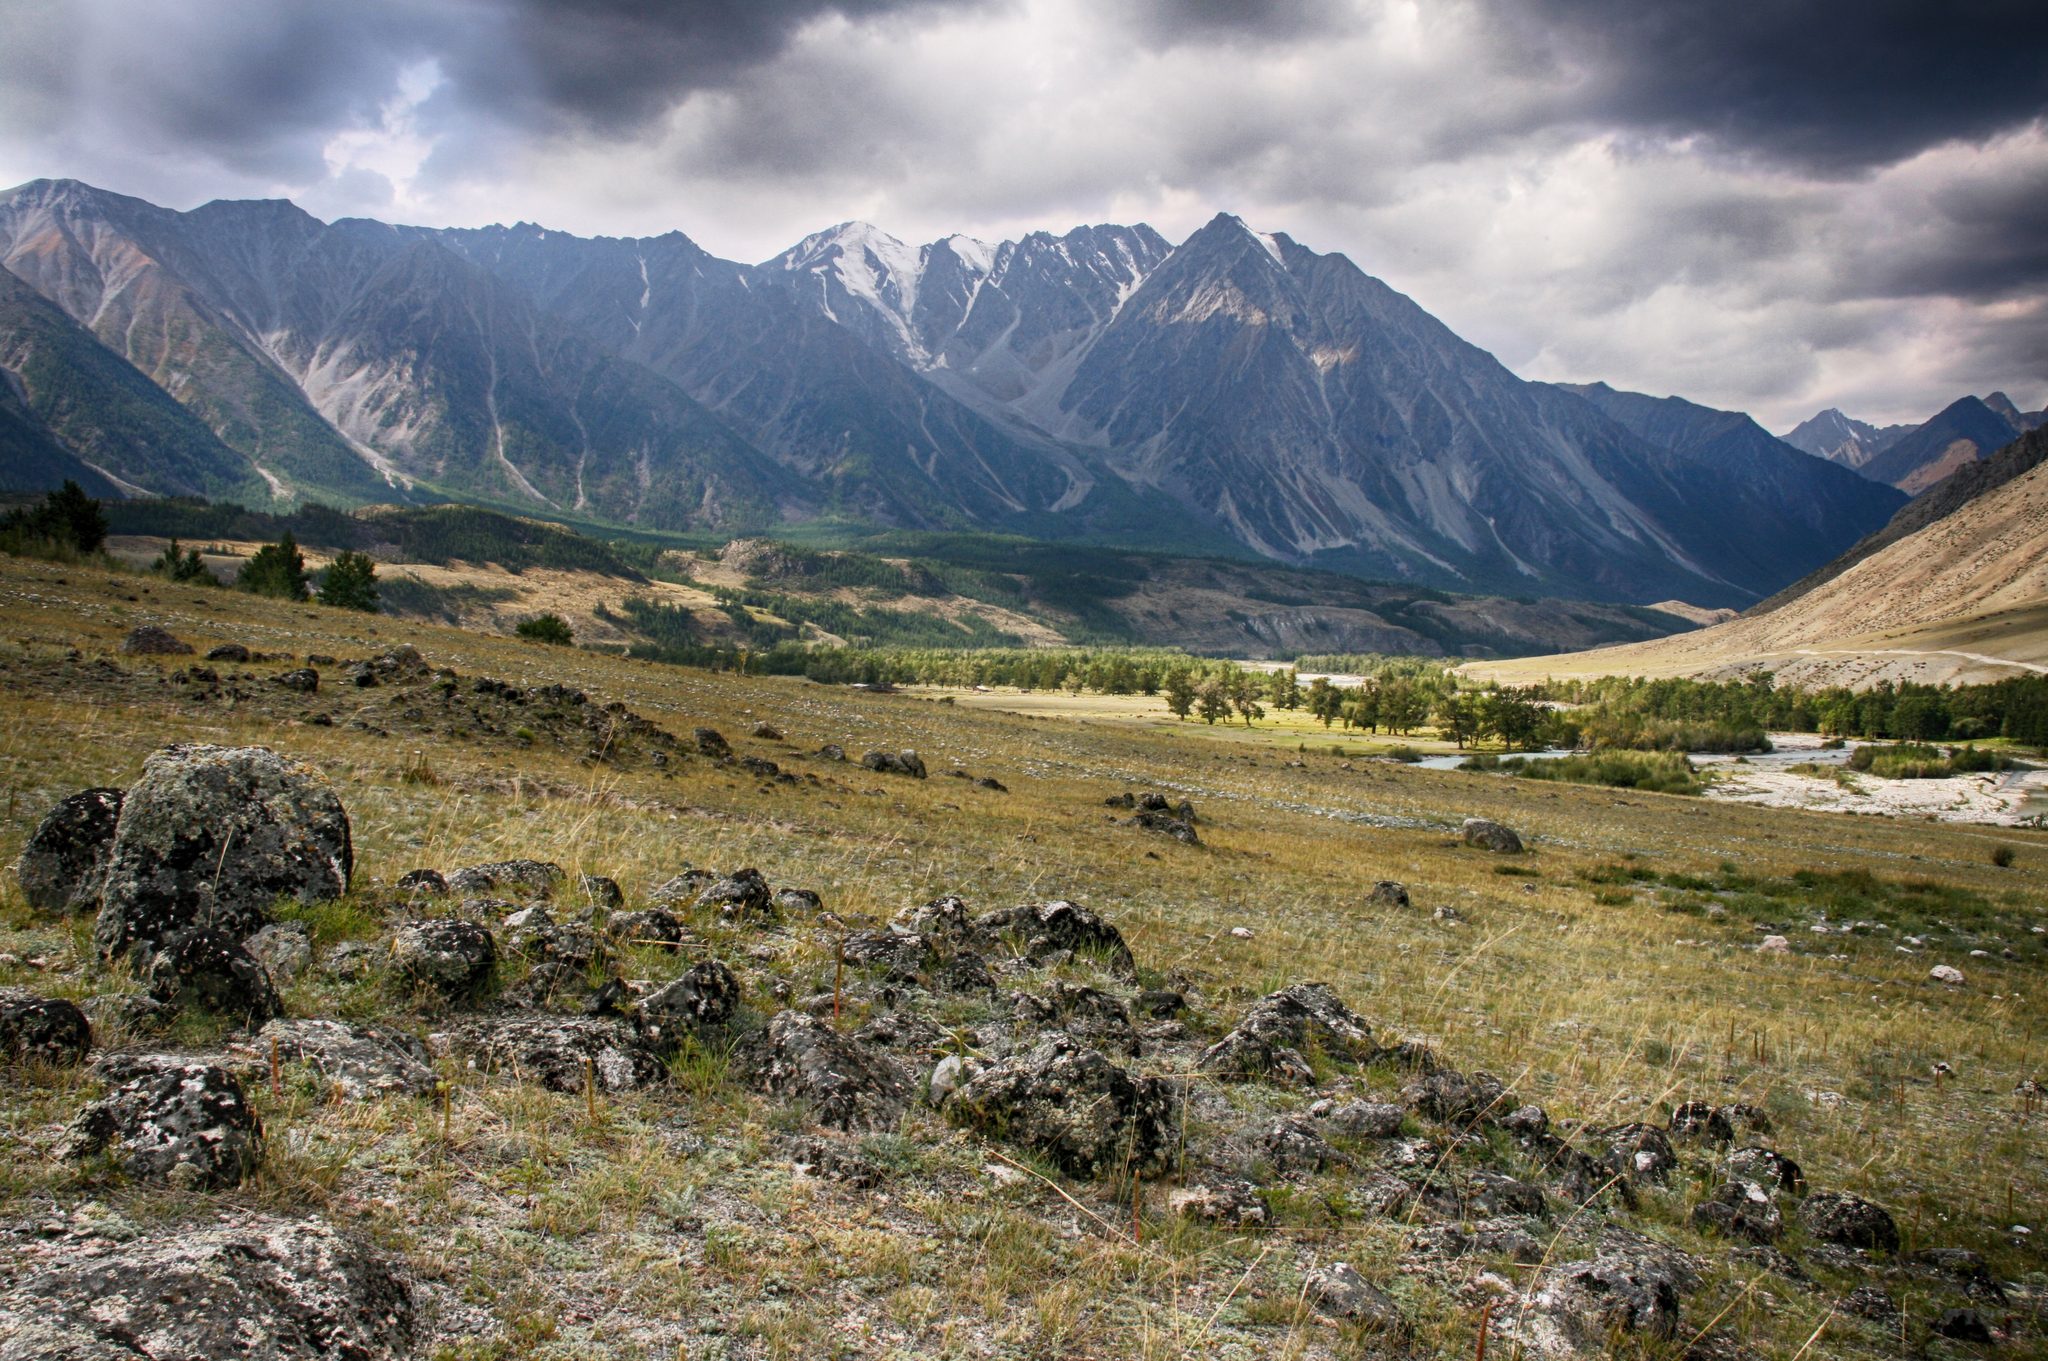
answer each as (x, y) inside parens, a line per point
(185, 566)
(1653, 772)
(351, 583)
(2001, 856)
(548, 628)
(277, 570)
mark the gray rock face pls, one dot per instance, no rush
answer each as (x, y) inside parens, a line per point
(1640, 1151)
(66, 857)
(1367, 1119)
(362, 1062)
(1839, 1217)
(1453, 1098)
(211, 837)
(1741, 1209)
(1767, 1168)
(895, 763)
(1076, 1109)
(600, 891)
(454, 958)
(705, 996)
(1230, 1202)
(1491, 836)
(46, 1030)
(1091, 1017)
(1339, 1291)
(848, 1085)
(562, 1053)
(254, 1287)
(1183, 832)
(741, 896)
(209, 971)
(179, 1124)
(1388, 893)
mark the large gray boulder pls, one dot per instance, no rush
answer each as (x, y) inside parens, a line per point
(1076, 1109)
(447, 955)
(1585, 1308)
(1269, 1040)
(360, 1062)
(46, 1030)
(66, 857)
(210, 971)
(251, 1287)
(185, 1125)
(211, 837)
(562, 1054)
(1848, 1219)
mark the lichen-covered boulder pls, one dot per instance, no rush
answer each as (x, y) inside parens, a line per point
(361, 1062)
(705, 997)
(895, 763)
(151, 641)
(1840, 1217)
(46, 1030)
(211, 837)
(1453, 1098)
(600, 891)
(210, 971)
(1090, 1016)
(742, 895)
(170, 1122)
(1740, 1209)
(65, 859)
(1489, 835)
(848, 1085)
(1339, 1291)
(1368, 1119)
(563, 1053)
(284, 949)
(452, 957)
(1268, 1041)
(1583, 1308)
(653, 926)
(1768, 1168)
(1074, 1108)
(247, 1286)
(1045, 929)
(537, 877)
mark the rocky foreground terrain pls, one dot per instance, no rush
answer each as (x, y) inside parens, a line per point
(472, 1012)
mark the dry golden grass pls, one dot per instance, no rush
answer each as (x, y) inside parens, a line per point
(625, 1234)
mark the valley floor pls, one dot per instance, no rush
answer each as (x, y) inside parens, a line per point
(1608, 975)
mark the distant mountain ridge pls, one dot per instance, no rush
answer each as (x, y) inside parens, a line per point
(1235, 394)
(1915, 457)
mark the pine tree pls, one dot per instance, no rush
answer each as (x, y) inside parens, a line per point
(548, 628)
(351, 584)
(277, 569)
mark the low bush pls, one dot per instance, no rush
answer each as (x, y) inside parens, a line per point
(1653, 772)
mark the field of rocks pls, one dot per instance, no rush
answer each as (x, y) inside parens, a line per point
(375, 990)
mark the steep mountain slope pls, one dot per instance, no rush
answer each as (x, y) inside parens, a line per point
(1239, 394)
(1955, 589)
(124, 269)
(413, 365)
(110, 425)
(1962, 432)
(1844, 439)
(32, 458)
(1776, 487)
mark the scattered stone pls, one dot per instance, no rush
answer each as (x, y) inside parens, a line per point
(168, 1122)
(1161, 1004)
(549, 987)
(562, 1053)
(831, 751)
(351, 961)
(1491, 836)
(209, 971)
(814, 1156)
(1526, 1121)
(1180, 831)
(284, 949)
(1075, 1108)
(1965, 1267)
(1388, 893)
(62, 865)
(1368, 1119)
(706, 996)
(1840, 1217)
(1453, 1098)
(1701, 1120)
(248, 1286)
(1294, 1148)
(452, 957)
(652, 926)
(534, 876)
(1869, 1302)
(849, 1086)
(360, 1062)
(1047, 928)
(1268, 1041)
(599, 891)
(711, 743)
(1740, 1209)
(1338, 1291)
(767, 732)
(1639, 1150)
(417, 882)
(1767, 1168)
(1775, 945)
(1947, 974)
(895, 763)
(1963, 1325)
(797, 900)
(228, 652)
(305, 680)
(151, 641)
(742, 896)
(1586, 1306)
(1225, 1201)
(211, 837)
(1446, 913)
(1494, 1193)
(46, 1030)
(993, 785)
(1091, 1017)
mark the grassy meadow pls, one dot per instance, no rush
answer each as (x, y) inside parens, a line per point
(1608, 974)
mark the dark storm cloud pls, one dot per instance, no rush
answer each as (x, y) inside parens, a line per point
(1834, 86)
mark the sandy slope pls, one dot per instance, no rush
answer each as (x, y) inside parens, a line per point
(1963, 600)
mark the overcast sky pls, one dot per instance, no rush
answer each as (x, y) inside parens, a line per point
(1771, 205)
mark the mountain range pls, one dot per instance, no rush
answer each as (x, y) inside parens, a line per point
(1235, 395)
(1915, 457)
